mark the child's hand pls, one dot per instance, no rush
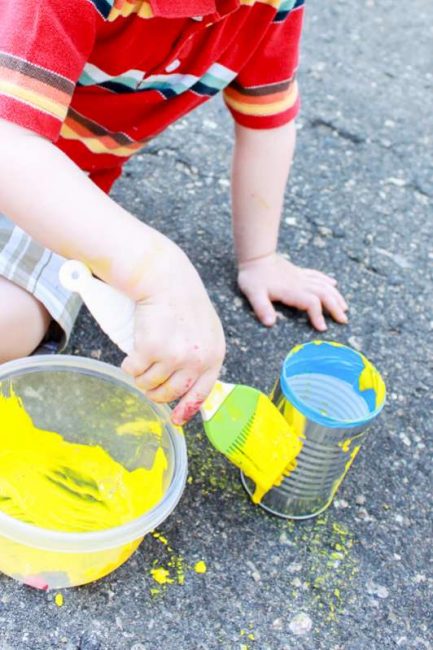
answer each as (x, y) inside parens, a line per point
(275, 279)
(179, 340)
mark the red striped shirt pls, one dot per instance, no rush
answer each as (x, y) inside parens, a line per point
(101, 77)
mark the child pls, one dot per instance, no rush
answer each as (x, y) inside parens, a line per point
(85, 84)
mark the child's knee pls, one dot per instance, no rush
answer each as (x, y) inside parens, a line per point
(23, 321)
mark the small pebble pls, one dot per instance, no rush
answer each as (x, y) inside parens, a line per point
(301, 624)
(341, 503)
(420, 577)
(89, 641)
(319, 242)
(398, 182)
(355, 342)
(382, 592)
(364, 514)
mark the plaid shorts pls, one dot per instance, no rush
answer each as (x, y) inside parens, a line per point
(35, 268)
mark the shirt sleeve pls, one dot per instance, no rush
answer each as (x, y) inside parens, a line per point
(264, 94)
(44, 45)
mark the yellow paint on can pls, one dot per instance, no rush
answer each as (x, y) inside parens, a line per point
(370, 379)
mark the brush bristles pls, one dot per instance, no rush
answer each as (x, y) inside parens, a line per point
(242, 436)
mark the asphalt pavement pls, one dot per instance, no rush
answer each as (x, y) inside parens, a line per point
(359, 206)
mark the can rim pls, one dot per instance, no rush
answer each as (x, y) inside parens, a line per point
(311, 413)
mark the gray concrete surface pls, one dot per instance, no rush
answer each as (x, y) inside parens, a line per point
(359, 206)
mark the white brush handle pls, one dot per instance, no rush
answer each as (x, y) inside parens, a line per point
(217, 396)
(113, 310)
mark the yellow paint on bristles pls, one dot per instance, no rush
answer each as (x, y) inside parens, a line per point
(269, 448)
(200, 567)
(58, 599)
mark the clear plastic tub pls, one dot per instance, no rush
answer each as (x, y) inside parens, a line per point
(87, 401)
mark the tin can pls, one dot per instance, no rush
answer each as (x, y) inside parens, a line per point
(329, 394)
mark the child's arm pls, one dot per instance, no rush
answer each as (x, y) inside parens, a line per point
(179, 342)
(261, 166)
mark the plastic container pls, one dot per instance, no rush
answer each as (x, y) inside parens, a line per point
(86, 401)
(329, 394)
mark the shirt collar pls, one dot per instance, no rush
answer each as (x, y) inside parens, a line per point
(190, 8)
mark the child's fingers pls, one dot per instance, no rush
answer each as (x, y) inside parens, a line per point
(313, 306)
(263, 307)
(174, 387)
(343, 304)
(154, 376)
(191, 403)
(331, 303)
(134, 366)
(318, 275)
(325, 291)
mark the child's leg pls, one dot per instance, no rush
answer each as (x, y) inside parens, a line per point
(32, 301)
(24, 321)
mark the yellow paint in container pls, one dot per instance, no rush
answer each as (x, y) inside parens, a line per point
(75, 512)
(52, 483)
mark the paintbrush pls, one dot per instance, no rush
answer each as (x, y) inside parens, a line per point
(240, 421)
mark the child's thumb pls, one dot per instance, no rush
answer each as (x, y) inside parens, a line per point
(263, 308)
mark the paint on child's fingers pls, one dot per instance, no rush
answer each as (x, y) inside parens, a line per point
(184, 412)
(193, 400)
(175, 387)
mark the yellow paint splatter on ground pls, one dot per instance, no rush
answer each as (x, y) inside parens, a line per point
(161, 575)
(58, 599)
(200, 567)
(212, 472)
(249, 635)
(327, 570)
(175, 568)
